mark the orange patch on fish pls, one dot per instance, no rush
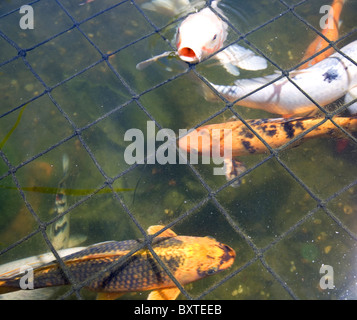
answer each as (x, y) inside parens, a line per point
(330, 32)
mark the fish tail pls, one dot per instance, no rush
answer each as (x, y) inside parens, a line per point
(337, 6)
(348, 123)
(9, 285)
(329, 128)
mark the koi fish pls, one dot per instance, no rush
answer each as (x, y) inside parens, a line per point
(324, 82)
(172, 7)
(85, 2)
(188, 258)
(330, 32)
(202, 34)
(275, 132)
(59, 232)
(59, 235)
(15, 268)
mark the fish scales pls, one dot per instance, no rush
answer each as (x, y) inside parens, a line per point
(275, 132)
(188, 259)
(139, 272)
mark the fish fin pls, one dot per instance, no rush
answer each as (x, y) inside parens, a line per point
(65, 163)
(5, 288)
(167, 233)
(288, 116)
(233, 70)
(109, 295)
(76, 240)
(242, 58)
(253, 63)
(233, 169)
(350, 96)
(341, 145)
(164, 294)
(143, 64)
(167, 7)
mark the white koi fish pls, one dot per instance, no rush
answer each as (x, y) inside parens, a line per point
(324, 82)
(201, 35)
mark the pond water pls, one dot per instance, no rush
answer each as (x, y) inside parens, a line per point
(70, 86)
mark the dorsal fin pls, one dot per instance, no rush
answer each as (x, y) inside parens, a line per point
(167, 233)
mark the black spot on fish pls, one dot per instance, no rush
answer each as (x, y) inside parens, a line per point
(331, 132)
(271, 132)
(247, 133)
(289, 129)
(263, 127)
(258, 122)
(248, 146)
(330, 75)
(60, 228)
(299, 125)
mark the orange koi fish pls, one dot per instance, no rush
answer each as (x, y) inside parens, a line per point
(330, 32)
(188, 258)
(275, 132)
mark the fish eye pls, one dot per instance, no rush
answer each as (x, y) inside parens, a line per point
(212, 270)
(214, 37)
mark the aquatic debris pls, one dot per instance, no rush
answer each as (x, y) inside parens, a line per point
(69, 191)
(3, 141)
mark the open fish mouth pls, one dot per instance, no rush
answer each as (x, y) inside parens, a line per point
(188, 54)
(228, 256)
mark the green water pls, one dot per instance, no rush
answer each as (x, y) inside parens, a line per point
(274, 224)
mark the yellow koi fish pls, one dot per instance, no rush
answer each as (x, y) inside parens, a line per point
(188, 258)
(275, 132)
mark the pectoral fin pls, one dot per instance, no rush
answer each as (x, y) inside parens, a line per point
(108, 295)
(236, 56)
(350, 96)
(143, 64)
(76, 240)
(164, 294)
(233, 169)
(157, 228)
(233, 70)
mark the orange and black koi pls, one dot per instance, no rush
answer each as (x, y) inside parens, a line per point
(188, 258)
(275, 132)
